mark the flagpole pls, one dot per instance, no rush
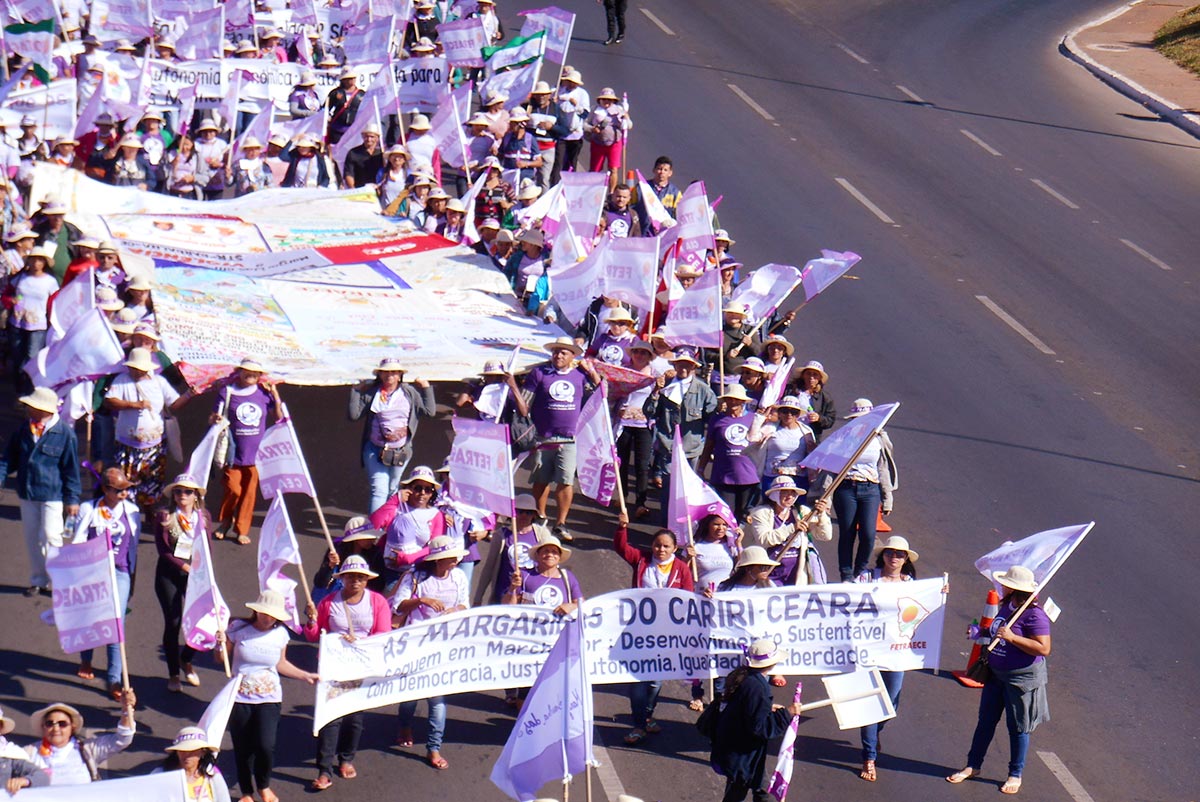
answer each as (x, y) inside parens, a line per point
(721, 339)
(945, 598)
(223, 645)
(324, 531)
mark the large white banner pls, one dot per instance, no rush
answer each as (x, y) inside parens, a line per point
(168, 786)
(636, 635)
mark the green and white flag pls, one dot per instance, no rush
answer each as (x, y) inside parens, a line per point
(34, 41)
(520, 51)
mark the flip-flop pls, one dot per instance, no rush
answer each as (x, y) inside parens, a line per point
(635, 737)
(438, 762)
(405, 738)
(960, 776)
(696, 705)
(347, 771)
(322, 782)
(85, 671)
(1011, 786)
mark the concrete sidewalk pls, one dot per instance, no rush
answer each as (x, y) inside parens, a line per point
(1118, 48)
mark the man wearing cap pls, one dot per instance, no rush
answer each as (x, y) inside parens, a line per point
(575, 104)
(246, 399)
(680, 399)
(557, 391)
(43, 452)
(343, 104)
(619, 218)
(363, 162)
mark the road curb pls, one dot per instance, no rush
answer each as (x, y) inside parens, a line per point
(1161, 106)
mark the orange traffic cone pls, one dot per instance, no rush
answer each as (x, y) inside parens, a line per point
(991, 607)
(881, 525)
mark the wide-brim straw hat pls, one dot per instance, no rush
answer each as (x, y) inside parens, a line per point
(183, 480)
(525, 501)
(75, 715)
(896, 543)
(607, 93)
(270, 602)
(386, 364)
(775, 339)
(207, 124)
(140, 359)
(443, 547)
(754, 555)
(419, 123)
(736, 392)
(360, 528)
(790, 402)
(754, 364)
(735, 309)
(781, 483)
(763, 653)
(620, 314)
(814, 365)
(190, 739)
(146, 330)
(546, 539)
(456, 205)
(1017, 577)
(42, 398)
(684, 356)
(860, 407)
(423, 473)
(251, 366)
(563, 342)
(356, 564)
(573, 76)
(139, 282)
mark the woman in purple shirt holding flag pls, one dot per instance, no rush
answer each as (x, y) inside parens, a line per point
(734, 473)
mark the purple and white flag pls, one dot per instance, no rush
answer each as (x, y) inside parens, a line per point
(777, 384)
(131, 16)
(239, 13)
(86, 607)
(551, 739)
(463, 41)
(782, 777)
(420, 84)
(597, 451)
(277, 547)
(691, 497)
(446, 128)
(216, 715)
(281, 466)
(201, 461)
(630, 270)
(481, 465)
(470, 232)
(517, 83)
(370, 43)
(695, 319)
(312, 125)
(838, 449)
(89, 349)
(818, 274)
(694, 216)
(203, 36)
(660, 218)
(259, 128)
(1043, 553)
(585, 194)
(204, 609)
(766, 289)
(70, 304)
(557, 24)
(574, 284)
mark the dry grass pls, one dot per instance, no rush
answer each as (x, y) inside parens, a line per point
(1179, 39)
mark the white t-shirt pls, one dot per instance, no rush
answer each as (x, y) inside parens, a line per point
(713, 563)
(452, 591)
(255, 655)
(142, 428)
(29, 305)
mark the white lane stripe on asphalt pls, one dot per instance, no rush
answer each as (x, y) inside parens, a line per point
(1149, 257)
(662, 26)
(1059, 770)
(607, 773)
(1054, 193)
(979, 142)
(865, 201)
(852, 54)
(1015, 325)
(751, 102)
(911, 94)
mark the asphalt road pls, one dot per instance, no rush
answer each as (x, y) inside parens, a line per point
(998, 170)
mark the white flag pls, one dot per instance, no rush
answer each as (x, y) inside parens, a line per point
(200, 464)
(766, 289)
(695, 319)
(446, 128)
(277, 548)
(820, 273)
(1043, 553)
(517, 83)
(89, 349)
(837, 450)
(281, 466)
(216, 715)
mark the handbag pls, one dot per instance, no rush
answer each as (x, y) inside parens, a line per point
(707, 722)
(980, 670)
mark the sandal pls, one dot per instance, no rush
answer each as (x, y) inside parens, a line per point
(219, 534)
(347, 771)
(653, 726)
(85, 671)
(962, 774)
(1011, 786)
(635, 736)
(243, 540)
(322, 782)
(405, 738)
(190, 676)
(868, 771)
(437, 761)
(696, 705)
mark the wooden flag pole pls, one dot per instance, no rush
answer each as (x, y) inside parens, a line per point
(224, 646)
(324, 531)
(1032, 596)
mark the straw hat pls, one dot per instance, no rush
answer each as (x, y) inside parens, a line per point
(455, 205)
(782, 483)
(124, 322)
(107, 300)
(494, 367)
(775, 339)
(754, 364)
(360, 528)
(763, 653)
(563, 342)
(519, 115)
(442, 547)
(7, 724)
(251, 142)
(504, 236)
(307, 78)
(684, 356)
(140, 359)
(791, 402)
(607, 93)
(270, 602)
(397, 150)
(423, 45)
(270, 33)
(494, 96)
(546, 539)
(621, 314)
(754, 555)
(735, 309)
(153, 115)
(533, 236)
(687, 271)
(139, 282)
(541, 88)
(721, 235)
(41, 252)
(53, 206)
(478, 118)
(372, 128)
(66, 140)
(75, 716)
(422, 473)
(572, 75)
(1017, 577)
(860, 407)
(190, 739)
(357, 564)
(42, 398)
(489, 222)
(146, 330)
(896, 543)
(183, 480)
(245, 46)
(641, 345)
(207, 124)
(422, 180)
(818, 367)
(251, 366)
(328, 62)
(386, 364)
(306, 141)
(348, 74)
(437, 193)
(735, 391)
(529, 190)
(18, 234)
(419, 123)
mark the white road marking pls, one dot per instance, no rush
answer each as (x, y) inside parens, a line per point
(979, 142)
(1059, 770)
(911, 94)
(852, 54)
(865, 201)
(1015, 325)
(1149, 257)
(606, 773)
(1054, 193)
(766, 115)
(662, 26)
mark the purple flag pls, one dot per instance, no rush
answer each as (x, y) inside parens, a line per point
(820, 273)
(203, 35)
(1043, 553)
(131, 16)
(369, 43)
(585, 194)
(777, 384)
(766, 289)
(204, 609)
(259, 128)
(597, 451)
(552, 737)
(481, 465)
(695, 220)
(281, 466)
(691, 497)
(446, 127)
(782, 778)
(70, 304)
(660, 218)
(837, 450)
(277, 547)
(86, 610)
(557, 24)
(695, 319)
(463, 41)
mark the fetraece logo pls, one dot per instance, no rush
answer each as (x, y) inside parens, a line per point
(909, 615)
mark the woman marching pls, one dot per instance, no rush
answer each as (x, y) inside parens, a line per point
(191, 752)
(1016, 687)
(175, 527)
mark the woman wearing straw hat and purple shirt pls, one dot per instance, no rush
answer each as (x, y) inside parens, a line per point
(734, 474)
(353, 613)
(438, 587)
(864, 492)
(390, 411)
(893, 563)
(191, 752)
(258, 652)
(1016, 687)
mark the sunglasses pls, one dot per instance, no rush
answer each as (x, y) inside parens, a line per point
(63, 723)
(903, 555)
(422, 490)
(185, 491)
(116, 489)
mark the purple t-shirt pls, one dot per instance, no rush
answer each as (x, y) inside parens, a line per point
(1033, 622)
(247, 413)
(728, 436)
(557, 400)
(550, 592)
(614, 350)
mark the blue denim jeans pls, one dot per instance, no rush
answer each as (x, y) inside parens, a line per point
(384, 479)
(893, 681)
(643, 697)
(113, 649)
(991, 705)
(856, 505)
(437, 720)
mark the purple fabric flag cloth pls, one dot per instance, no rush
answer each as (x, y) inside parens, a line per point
(85, 598)
(818, 274)
(695, 221)
(558, 25)
(781, 779)
(1043, 553)
(766, 289)
(837, 450)
(691, 497)
(695, 319)
(277, 547)
(597, 451)
(481, 465)
(463, 41)
(281, 465)
(552, 737)
(204, 609)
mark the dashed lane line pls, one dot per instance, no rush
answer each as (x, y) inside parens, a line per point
(911, 94)
(662, 26)
(1015, 325)
(1064, 776)
(865, 201)
(988, 148)
(852, 54)
(1149, 257)
(1054, 193)
(751, 102)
